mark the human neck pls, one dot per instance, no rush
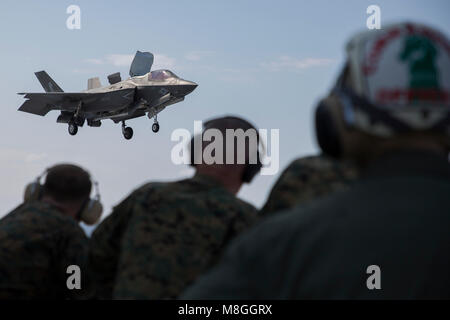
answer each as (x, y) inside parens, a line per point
(64, 209)
(229, 179)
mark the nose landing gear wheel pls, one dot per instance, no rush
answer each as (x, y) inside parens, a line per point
(127, 133)
(155, 127)
(73, 129)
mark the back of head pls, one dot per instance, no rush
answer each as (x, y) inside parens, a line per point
(67, 183)
(227, 143)
(393, 93)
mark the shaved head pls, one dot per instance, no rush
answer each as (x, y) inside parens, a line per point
(67, 182)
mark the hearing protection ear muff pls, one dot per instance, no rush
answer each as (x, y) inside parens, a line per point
(33, 190)
(90, 212)
(251, 169)
(327, 134)
(326, 128)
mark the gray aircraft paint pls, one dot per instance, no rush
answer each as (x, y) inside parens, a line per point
(145, 92)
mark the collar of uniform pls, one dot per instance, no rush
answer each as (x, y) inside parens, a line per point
(208, 180)
(41, 205)
(409, 163)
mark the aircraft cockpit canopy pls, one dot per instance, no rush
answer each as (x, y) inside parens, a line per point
(160, 75)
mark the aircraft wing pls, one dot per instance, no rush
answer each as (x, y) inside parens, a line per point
(36, 107)
(41, 103)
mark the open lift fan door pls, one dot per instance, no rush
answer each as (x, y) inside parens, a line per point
(142, 63)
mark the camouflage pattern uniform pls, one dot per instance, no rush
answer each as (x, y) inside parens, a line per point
(306, 179)
(160, 238)
(37, 244)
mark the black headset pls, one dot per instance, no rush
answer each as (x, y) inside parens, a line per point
(327, 133)
(251, 169)
(91, 210)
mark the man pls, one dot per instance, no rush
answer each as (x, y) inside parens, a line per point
(388, 236)
(306, 179)
(161, 237)
(41, 238)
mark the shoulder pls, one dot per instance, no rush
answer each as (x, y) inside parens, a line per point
(308, 178)
(316, 170)
(244, 205)
(316, 163)
(121, 213)
(39, 212)
(294, 227)
(38, 220)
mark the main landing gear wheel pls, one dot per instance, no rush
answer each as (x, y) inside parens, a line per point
(128, 133)
(73, 128)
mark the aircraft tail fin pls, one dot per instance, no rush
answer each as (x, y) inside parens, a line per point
(47, 83)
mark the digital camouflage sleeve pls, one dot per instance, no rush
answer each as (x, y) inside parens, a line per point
(37, 244)
(164, 235)
(306, 179)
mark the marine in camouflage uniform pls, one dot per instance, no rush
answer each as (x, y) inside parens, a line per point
(306, 179)
(162, 236)
(37, 244)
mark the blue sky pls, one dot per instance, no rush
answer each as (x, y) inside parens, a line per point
(268, 61)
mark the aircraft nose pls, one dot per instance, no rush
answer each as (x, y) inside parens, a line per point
(188, 86)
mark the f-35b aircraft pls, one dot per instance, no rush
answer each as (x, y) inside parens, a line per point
(143, 93)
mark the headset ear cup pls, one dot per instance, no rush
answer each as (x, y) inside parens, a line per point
(251, 170)
(32, 192)
(92, 212)
(327, 134)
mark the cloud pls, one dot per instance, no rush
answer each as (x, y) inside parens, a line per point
(119, 60)
(286, 62)
(94, 61)
(161, 61)
(82, 70)
(19, 157)
(17, 168)
(35, 157)
(197, 55)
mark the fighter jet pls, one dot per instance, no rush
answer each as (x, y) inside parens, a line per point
(145, 92)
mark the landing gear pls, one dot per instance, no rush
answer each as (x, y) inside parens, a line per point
(127, 131)
(77, 120)
(73, 128)
(155, 125)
